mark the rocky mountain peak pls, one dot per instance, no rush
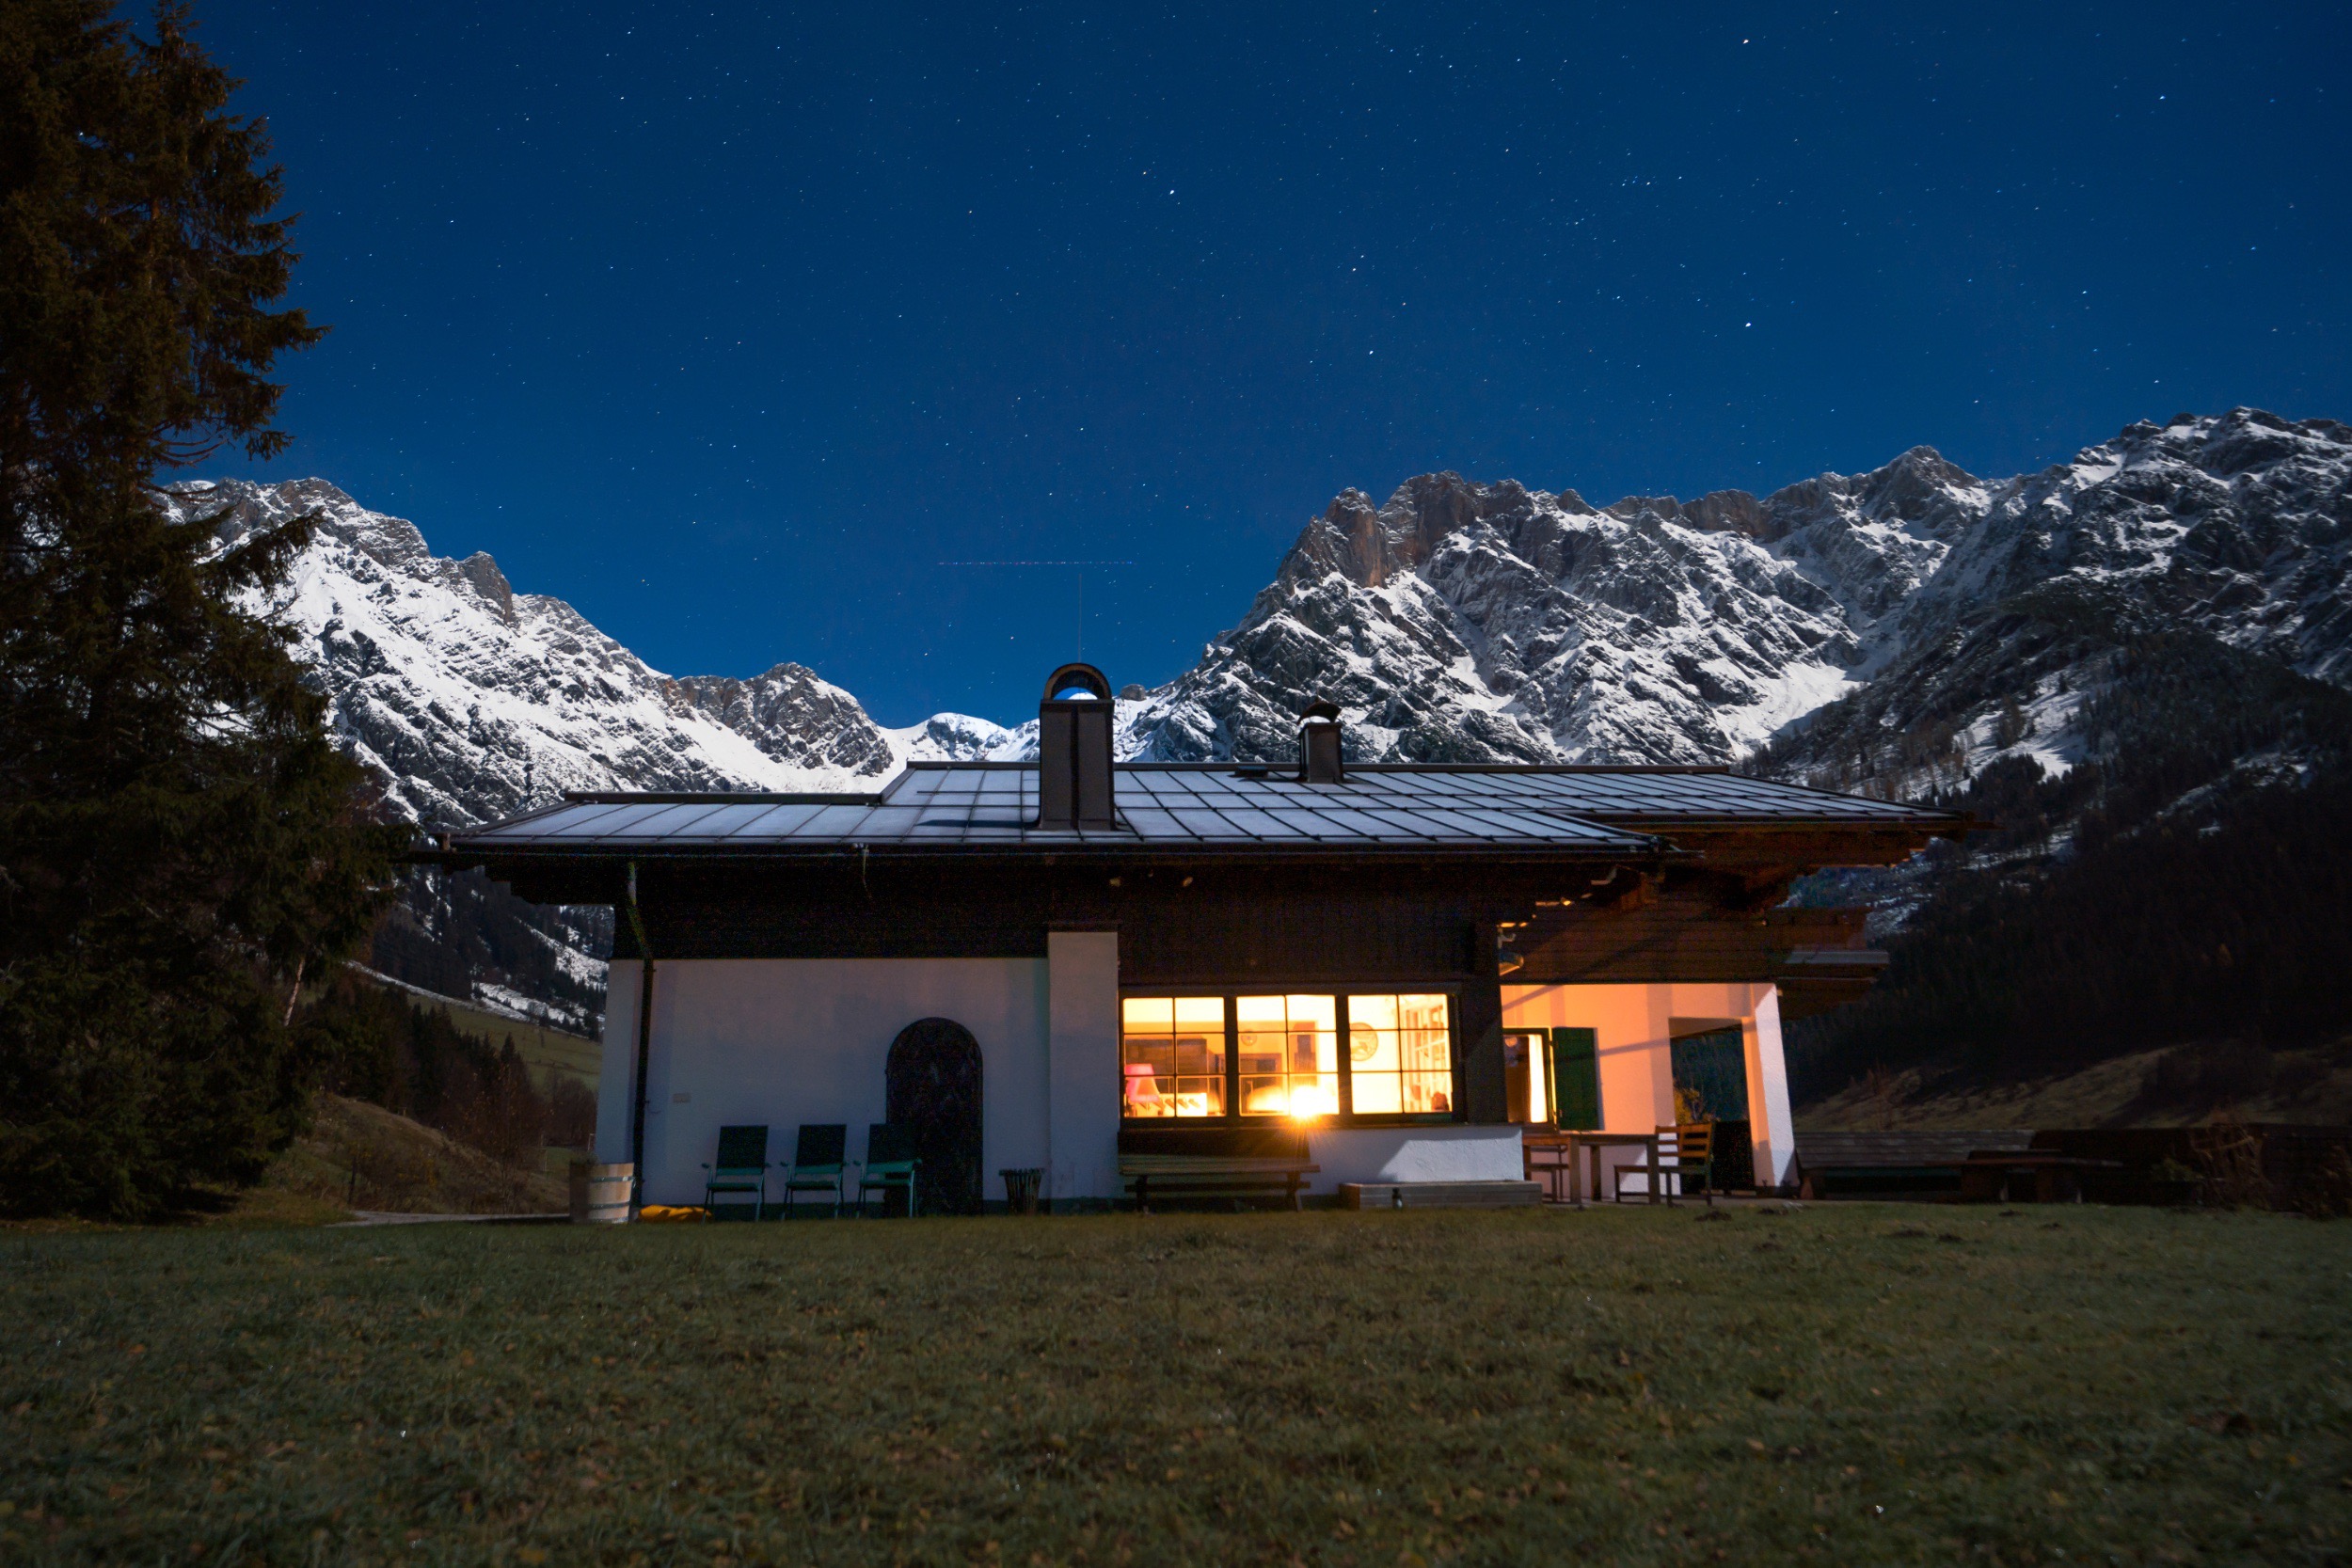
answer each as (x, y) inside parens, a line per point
(1913, 487)
(482, 574)
(1729, 511)
(793, 716)
(469, 701)
(1472, 621)
(1892, 630)
(1371, 545)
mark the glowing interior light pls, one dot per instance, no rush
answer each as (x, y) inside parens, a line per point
(1309, 1101)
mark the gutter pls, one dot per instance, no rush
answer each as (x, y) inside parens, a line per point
(645, 1049)
(1101, 849)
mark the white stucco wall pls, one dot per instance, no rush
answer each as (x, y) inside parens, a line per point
(1635, 1026)
(1082, 982)
(620, 1054)
(785, 1041)
(1768, 1091)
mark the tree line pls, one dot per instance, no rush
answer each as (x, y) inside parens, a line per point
(378, 1045)
(2186, 884)
(181, 844)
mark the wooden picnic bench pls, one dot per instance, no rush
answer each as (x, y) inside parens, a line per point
(1212, 1175)
(1924, 1164)
(2026, 1176)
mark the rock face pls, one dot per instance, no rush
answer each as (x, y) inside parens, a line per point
(2237, 526)
(467, 701)
(1891, 631)
(471, 700)
(1477, 621)
(793, 718)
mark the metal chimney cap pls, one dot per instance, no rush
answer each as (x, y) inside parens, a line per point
(1319, 749)
(1085, 676)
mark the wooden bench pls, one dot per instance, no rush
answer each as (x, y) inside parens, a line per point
(1919, 1163)
(1212, 1175)
(1818, 1182)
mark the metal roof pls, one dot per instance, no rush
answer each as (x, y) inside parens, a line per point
(1200, 808)
(982, 807)
(1666, 796)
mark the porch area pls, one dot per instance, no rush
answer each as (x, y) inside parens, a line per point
(1600, 1076)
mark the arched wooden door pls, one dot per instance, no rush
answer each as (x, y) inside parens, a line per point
(933, 1088)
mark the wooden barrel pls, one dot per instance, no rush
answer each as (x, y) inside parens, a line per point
(600, 1193)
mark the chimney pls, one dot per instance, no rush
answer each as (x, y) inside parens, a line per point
(1073, 750)
(1319, 745)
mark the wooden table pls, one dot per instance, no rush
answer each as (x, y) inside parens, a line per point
(1572, 1144)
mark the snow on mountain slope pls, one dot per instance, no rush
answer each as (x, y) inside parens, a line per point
(1891, 630)
(1474, 623)
(469, 701)
(1484, 622)
(1459, 620)
(2238, 526)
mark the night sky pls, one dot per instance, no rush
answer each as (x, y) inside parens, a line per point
(731, 329)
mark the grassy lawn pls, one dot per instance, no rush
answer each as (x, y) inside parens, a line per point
(1851, 1384)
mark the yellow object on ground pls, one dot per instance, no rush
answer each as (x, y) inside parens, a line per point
(661, 1214)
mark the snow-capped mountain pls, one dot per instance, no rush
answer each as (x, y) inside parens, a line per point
(1479, 622)
(469, 701)
(1892, 630)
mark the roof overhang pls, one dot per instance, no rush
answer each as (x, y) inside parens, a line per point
(1387, 814)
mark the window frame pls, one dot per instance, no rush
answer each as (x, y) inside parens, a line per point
(1347, 1115)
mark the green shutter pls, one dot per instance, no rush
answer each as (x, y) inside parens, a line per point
(1576, 1079)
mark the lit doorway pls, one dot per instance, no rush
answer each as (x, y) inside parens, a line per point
(1526, 1075)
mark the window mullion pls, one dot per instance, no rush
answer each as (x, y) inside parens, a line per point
(1453, 1057)
(1346, 1063)
(1233, 1060)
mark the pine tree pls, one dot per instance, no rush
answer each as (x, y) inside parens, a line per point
(180, 843)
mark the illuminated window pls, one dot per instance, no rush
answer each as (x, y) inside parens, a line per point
(1172, 1050)
(1289, 1048)
(1230, 1057)
(1400, 1055)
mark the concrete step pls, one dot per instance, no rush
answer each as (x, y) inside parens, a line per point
(1440, 1195)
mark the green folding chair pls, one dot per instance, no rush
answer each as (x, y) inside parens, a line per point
(741, 1167)
(820, 1156)
(889, 1165)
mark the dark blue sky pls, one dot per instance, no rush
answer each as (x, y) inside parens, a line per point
(728, 328)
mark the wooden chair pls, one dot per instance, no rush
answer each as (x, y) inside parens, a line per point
(889, 1165)
(820, 1154)
(741, 1166)
(1684, 1151)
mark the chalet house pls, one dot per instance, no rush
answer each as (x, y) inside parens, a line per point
(1044, 963)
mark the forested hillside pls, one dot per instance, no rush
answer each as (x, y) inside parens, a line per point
(2189, 882)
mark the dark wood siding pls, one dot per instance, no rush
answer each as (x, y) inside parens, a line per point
(1478, 1033)
(1232, 926)
(1228, 928)
(1685, 935)
(1316, 937)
